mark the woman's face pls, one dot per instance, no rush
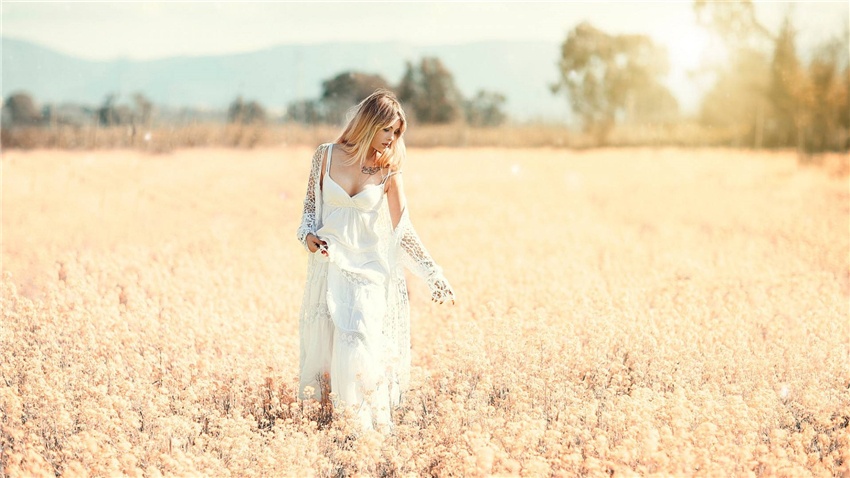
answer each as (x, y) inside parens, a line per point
(385, 136)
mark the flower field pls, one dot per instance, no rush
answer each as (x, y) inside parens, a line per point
(620, 312)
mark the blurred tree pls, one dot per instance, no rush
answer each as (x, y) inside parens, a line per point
(610, 76)
(67, 114)
(735, 23)
(305, 111)
(408, 89)
(243, 112)
(143, 109)
(430, 91)
(787, 91)
(739, 99)
(827, 99)
(347, 89)
(112, 114)
(485, 109)
(19, 109)
(654, 104)
(764, 92)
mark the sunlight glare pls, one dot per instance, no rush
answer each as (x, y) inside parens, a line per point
(687, 46)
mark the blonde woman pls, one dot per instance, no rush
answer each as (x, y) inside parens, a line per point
(354, 321)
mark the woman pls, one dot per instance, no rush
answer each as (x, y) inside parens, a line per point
(354, 320)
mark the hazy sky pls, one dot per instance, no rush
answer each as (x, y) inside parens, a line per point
(146, 30)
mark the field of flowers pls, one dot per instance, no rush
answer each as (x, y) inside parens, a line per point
(620, 312)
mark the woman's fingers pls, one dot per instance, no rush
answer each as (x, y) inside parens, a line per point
(441, 297)
(316, 243)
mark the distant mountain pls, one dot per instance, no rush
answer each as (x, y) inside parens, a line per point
(281, 74)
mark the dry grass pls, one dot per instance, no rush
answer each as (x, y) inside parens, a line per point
(631, 312)
(163, 139)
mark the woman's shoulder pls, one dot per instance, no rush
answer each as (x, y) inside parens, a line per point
(321, 149)
(392, 178)
(325, 146)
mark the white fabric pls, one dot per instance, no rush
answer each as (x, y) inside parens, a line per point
(354, 322)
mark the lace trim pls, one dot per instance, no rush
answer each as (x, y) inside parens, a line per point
(350, 338)
(417, 259)
(309, 214)
(401, 289)
(353, 278)
(321, 312)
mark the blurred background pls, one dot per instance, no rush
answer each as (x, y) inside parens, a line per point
(158, 76)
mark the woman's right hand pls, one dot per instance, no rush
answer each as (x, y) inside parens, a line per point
(315, 244)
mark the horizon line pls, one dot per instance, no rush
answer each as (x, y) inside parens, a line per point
(235, 53)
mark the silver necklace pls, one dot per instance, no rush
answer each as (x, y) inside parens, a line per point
(369, 170)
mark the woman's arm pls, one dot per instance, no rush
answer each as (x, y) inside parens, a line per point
(414, 254)
(307, 230)
(395, 198)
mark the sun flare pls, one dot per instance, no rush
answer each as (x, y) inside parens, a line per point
(688, 47)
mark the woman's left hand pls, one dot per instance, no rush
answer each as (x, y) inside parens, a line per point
(441, 291)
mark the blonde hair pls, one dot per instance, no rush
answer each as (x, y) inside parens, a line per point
(376, 111)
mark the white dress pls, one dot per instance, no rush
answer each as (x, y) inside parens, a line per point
(354, 320)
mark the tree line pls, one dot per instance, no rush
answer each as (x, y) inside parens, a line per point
(426, 90)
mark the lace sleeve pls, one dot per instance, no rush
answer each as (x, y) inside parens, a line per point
(308, 217)
(415, 257)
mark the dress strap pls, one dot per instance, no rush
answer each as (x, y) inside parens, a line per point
(388, 176)
(328, 161)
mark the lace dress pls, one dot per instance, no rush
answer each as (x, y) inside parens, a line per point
(354, 320)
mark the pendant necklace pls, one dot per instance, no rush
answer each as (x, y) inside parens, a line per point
(369, 170)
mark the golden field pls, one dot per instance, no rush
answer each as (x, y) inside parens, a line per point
(620, 312)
